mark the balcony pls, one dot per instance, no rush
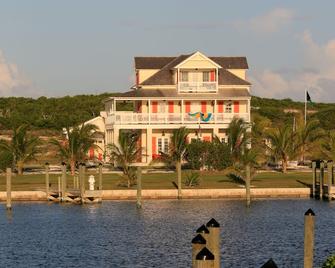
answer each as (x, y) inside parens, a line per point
(130, 118)
(197, 87)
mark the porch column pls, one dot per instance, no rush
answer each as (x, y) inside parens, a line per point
(149, 145)
(248, 110)
(215, 111)
(116, 133)
(182, 111)
(149, 111)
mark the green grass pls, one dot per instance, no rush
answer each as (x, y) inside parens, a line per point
(165, 181)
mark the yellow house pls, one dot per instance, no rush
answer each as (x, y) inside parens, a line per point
(201, 93)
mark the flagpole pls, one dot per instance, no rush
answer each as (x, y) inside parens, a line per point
(305, 106)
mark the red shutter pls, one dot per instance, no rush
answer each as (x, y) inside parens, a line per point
(100, 156)
(154, 106)
(204, 107)
(171, 104)
(207, 138)
(91, 153)
(212, 76)
(137, 77)
(154, 150)
(187, 107)
(220, 106)
(236, 107)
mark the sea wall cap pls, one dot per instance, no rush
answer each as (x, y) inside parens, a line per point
(202, 230)
(309, 212)
(198, 239)
(204, 255)
(212, 223)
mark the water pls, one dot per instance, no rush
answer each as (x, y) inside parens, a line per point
(116, 234)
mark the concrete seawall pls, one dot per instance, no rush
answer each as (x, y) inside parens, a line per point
(172, 194)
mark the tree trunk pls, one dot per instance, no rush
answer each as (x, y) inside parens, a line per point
(247, 184)
(178, 170)
(73, 167)
(20, 167)
(284, 165)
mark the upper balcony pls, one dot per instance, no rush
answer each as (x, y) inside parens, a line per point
(197, 81)
(197, 87)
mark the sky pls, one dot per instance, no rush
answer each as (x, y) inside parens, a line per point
(68, 47)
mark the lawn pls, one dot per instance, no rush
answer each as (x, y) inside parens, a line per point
(165, 181)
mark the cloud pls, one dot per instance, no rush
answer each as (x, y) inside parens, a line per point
(317, 74)
(269, 22)
(12, 81)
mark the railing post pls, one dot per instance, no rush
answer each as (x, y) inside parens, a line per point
(309, 239)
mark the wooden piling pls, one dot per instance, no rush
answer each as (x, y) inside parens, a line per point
(322, 173)
(309, 238)
(139, 188)
(204, 259)
(329, 178)
(47, 180)
(213, 241)
(178, 166)
(247, 184)
(63, 181)
(9, 188)
(203, 231)
(314, 179)
(198, 243)
(270, 264)
(59, 188)
(100, 176)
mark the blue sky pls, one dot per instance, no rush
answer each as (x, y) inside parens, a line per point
(57, 48)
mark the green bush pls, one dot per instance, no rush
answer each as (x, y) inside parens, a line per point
(6, 160)
(192, 179)
(330, 262)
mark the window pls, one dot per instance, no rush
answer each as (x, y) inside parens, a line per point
(163, 145)
(228, 107)
(205, 76)
(184, 76)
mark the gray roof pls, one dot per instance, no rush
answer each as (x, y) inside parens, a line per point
(160, 62)
(173, 93)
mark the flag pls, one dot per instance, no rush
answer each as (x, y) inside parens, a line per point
(308, 98)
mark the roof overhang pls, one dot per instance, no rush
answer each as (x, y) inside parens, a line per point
(197, 54)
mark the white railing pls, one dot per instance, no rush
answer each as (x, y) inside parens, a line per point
(194, 87)
(128, 118)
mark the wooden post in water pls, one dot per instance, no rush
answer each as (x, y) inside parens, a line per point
(213, 240)
(204, 259)
(322, 174)
(59, 188)
(247, 184)
(198, 243)
(314, 179)
(47, 180)
(63, 181)
(139, 188)
(269, 264)
(329, 178)
(203, 231)
(309, 239)
(9, 188)
(100, 176)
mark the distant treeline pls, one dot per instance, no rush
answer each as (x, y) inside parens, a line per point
(56, 113)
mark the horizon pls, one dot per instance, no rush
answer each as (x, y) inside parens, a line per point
(90, 50)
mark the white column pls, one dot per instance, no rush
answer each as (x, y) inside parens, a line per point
(182, 111)
(149, 145)
(149, 111)
(116, 133)
(249, 109)
(215, 111)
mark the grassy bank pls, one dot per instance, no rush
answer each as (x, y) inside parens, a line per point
(165, 181)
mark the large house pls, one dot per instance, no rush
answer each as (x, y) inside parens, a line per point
(196, 91)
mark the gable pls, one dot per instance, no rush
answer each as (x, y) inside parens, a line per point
(197, 60)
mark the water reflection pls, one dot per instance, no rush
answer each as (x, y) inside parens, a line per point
(117, 234)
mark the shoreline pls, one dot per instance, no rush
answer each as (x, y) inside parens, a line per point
(173, 194)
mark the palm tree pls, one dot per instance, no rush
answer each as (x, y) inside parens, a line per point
(177, 152)
(328, 146)
(79, 140)
(238, 137)
(307, 135)
(23, 147)
(282, 144)
(125, 153)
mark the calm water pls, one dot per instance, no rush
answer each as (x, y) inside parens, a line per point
(116, 234)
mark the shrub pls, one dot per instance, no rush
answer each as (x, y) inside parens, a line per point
(330, 262)
(192, 179)
(6, 160)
